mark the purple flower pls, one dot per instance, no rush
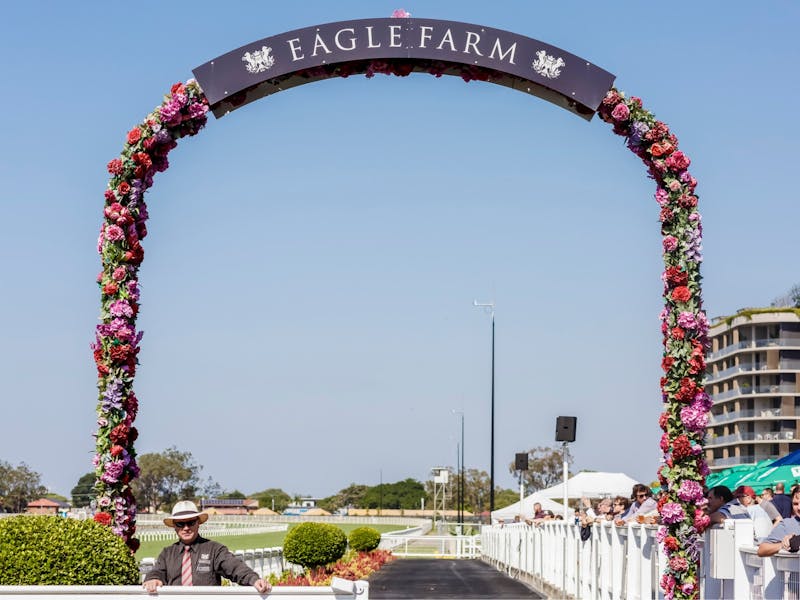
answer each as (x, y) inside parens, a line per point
(672, 512)
(693, 245)
(112, 397)
(197, 109)
(113, 470)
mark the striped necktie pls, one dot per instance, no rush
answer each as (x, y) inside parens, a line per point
(186, 567)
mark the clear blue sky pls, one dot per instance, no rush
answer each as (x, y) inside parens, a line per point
(313, 257)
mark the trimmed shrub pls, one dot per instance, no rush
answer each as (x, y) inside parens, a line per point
(314, 544)
(45, 550)
(364, 539)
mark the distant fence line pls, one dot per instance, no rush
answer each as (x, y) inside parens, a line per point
(164, 533)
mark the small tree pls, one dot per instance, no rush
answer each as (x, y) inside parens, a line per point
(314, 544)
(364, 539)
(83, 492)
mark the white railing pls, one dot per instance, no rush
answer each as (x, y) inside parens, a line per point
(432, 546)
(166, 534)
(340, 589)
(626, 562)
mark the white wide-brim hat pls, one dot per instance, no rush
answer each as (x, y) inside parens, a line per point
(185, 510)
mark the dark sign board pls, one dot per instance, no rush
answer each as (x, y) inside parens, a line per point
(303, 55)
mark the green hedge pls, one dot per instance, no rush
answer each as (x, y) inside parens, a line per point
(314, 544)
(44, 550)
(364, 539)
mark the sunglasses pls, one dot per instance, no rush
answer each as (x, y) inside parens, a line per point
(182, 524)
(643, 495)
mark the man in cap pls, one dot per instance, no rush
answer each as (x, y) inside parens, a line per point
(762, 524)
(194, 560)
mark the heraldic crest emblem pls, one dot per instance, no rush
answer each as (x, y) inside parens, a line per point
(259, 60)
(548, 66)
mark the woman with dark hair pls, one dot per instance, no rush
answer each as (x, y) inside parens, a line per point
(619, 507)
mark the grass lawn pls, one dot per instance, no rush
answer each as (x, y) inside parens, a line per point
(258, 540)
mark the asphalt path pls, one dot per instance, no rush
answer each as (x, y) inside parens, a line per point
(442, 578)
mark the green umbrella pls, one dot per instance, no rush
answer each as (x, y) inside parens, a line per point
(729, 476)
(767, 476)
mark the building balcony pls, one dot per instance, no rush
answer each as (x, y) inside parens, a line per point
(752, 344)
(747, 436)
(765, 413)
(784, 388)
(784, 365)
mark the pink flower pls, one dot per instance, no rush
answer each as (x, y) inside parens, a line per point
(120, 308)
(119, 273)
(670, 243)
(690, 491)
(400, 13)
(674, 185)
(678, 161)
(678, 563)
(620, 112)
(662, 197)
(672, 512)
(114, 233)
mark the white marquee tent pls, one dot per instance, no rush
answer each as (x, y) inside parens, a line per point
(526, 508)
(592, 485)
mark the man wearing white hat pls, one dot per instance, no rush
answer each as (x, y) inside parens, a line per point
(194, 560)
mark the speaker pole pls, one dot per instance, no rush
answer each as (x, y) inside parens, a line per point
(566, 474)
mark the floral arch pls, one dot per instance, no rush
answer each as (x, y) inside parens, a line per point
(183, 113)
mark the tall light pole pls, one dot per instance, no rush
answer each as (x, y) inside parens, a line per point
(461, 471)
(489, 306)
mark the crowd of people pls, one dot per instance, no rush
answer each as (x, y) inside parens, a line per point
(775, 514)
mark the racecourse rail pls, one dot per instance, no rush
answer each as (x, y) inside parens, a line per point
(613, 563)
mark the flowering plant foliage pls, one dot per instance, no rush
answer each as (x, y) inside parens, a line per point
(685, 335)
(116, 344)
(358, 565)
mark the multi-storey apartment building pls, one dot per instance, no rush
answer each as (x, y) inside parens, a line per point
(753, 377)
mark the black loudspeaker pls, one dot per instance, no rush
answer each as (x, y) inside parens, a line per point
(521, 461)
(565, 429)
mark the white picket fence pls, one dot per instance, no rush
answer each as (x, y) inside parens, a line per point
(209, 530)
(626, 562)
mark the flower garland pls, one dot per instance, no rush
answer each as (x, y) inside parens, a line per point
(685, 331)
(183, 113)
(684, 324)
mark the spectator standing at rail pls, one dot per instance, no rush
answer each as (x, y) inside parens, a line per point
(781, 501)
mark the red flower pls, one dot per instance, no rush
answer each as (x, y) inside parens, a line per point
(666, 215)
(687, 390)
(117, 450)
(114, 166)
(677, 333)
(664, 443)
(670, 543)
(103, 518)
(110, 289)
(681, 294)
(123, 188)
(678, 161)
(120, 353)
(663, 420)
(660, 149)
(681, 447)
(667, 362)
(119, 435)
(134, 135)
(178, 88)
(676, 276)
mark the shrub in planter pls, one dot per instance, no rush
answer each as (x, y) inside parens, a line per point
(364, 539)
(44, 550)
(314, 544)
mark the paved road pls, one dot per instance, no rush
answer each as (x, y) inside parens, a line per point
(425, 578)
